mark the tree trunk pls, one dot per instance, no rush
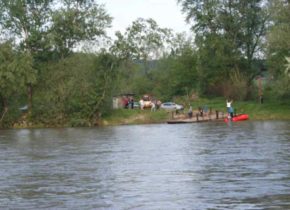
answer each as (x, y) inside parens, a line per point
(29, 93)
(5, 107)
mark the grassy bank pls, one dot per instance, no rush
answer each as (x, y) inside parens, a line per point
(134, 116)
(270, 110)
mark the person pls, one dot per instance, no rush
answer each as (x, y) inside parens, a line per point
(230, 109)
(153, 107)
(132, 103)
(205, 110)
(261, 99)
(125, 102)
(200, 109)
(158, 104)
(141, 104)
(190, 112)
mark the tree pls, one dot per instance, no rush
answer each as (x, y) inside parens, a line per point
(103, 83)
(76, 89)
(144, 40)
(15, 70)
(42, 25)
(278, 39)
(228, 35)
(77, 21)
(176, 73)
(44, 29)
(26, 21)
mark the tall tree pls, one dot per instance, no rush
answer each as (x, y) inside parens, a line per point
(179, 67)
(103, 83)
(76, 21)
(81, 88)
(144, 40)
(278, 39)
(15, 69)
(43, 27)
(26, 21)
(278, 46)
(177, 74)
(228, 35)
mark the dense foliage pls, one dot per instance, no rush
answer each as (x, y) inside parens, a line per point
(230, 33)
(44, 71)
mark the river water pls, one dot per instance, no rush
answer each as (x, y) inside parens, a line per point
(245, 165)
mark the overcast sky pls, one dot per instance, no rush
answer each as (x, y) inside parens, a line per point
(165, 12)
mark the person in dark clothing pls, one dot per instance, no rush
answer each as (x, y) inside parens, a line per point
(190, 112)
(200, 109)
(132, 103)
(231, 110)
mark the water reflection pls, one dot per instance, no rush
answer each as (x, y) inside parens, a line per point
(193, 166)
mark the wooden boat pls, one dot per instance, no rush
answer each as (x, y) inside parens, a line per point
(239, 117)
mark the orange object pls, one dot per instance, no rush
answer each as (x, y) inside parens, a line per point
(239, 117)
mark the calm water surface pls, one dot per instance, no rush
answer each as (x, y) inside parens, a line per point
(188, 166)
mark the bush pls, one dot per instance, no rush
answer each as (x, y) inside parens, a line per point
(237, 87)
(76, 122)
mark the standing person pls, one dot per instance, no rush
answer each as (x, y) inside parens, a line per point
(153, 107)
(200, 109)
(230, 108)
(190, 112)
(132, 103)
(261, 99)
(125, 102)
(141, 104)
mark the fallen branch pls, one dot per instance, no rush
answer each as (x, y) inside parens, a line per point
(3, 114)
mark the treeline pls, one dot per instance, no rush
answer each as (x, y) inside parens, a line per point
(56, 58)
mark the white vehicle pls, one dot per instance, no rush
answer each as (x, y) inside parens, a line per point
(171, 106)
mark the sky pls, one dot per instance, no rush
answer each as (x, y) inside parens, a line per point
(167, 13)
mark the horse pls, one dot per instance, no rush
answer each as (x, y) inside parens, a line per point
(145, 104)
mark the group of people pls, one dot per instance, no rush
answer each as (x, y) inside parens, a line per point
(230, 109)
(201, 111)
(128, 102)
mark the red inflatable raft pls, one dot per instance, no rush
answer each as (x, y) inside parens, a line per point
(239, 117)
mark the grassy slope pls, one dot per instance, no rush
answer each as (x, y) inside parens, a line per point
(135, 116)
(270, 110)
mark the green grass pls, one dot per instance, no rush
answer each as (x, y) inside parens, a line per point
(135, 116)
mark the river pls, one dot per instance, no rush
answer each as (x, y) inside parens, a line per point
(244, 165)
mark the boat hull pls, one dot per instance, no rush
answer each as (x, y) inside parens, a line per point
(240, 117)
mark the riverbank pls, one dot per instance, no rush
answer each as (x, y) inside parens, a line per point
(134, 116)
(271, 110)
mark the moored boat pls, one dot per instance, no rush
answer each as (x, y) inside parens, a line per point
(239, 117)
